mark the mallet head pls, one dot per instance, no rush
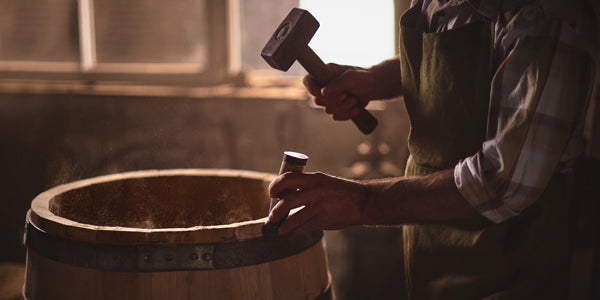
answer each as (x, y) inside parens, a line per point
(290, 39)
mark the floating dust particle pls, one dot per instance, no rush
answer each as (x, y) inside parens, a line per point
(146, 224)
(141, 204)
(228, 208)
(241, 214)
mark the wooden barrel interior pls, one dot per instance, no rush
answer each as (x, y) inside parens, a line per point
(165, 202)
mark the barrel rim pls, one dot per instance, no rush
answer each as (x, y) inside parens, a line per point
(161, 258)
(40, 215)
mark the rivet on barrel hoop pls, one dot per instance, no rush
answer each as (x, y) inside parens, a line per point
(207, 256)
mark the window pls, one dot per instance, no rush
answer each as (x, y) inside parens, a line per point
(182, 41)
(354, 32)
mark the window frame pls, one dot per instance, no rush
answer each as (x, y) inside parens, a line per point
(222, 66)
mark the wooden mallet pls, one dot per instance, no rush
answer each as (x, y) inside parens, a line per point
(290, 43)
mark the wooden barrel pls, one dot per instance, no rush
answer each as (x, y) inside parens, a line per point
(167, 234)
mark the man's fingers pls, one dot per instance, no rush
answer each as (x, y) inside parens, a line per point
(331, 101)
(345, 82)
(348, 110)
(299, 189)
(311, 86)
(306, 197)
(292, 181)
(329, 202)
(346, 115)
(297, 220)
(335, 95)
(283, 207)
(341, 107)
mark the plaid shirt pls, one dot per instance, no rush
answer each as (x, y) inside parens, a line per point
(544, 75)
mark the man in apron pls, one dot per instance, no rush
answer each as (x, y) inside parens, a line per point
(496, 93)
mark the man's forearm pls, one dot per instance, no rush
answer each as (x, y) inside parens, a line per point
(388, 79)
(409, 200)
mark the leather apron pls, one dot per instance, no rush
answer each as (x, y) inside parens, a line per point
(446, 83)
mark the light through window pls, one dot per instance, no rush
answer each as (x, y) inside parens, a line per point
(353, 32)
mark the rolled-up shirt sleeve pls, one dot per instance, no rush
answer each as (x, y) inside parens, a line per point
(538, 100)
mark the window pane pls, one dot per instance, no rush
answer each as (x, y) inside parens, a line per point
(39, 30)
(354, 32)
(151, 31)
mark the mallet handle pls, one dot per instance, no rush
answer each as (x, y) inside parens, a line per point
(313, 64)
